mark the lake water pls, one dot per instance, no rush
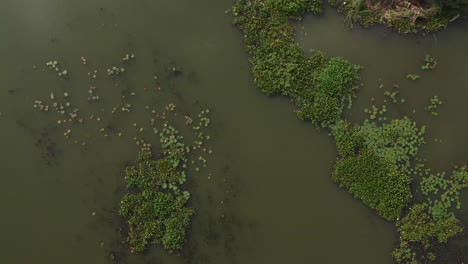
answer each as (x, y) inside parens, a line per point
(266, 196)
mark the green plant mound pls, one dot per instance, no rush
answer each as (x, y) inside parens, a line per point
(376, 182)
(155, 207)
(417, 229)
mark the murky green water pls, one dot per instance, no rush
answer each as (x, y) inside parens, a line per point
(266, 196)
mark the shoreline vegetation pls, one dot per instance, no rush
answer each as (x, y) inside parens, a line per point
(405, 16)
(378, 161)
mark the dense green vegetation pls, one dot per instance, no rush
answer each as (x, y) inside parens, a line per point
(334, 83)
(376, 158)
(155, 207)
(374, 161)
(374, 181)
(318, 86)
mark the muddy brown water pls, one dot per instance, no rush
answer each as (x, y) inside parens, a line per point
(266, 196)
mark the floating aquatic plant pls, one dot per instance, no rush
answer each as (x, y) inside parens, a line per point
(115, 70)
(443, 193)
(435, 103)
(412, 76)
(430, 63)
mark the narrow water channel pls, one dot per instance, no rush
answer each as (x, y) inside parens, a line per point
(266, 196)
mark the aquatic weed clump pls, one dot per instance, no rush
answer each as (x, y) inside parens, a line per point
(442, 193)
(375, 159)
(418, 229)
(334, 83)
(374, 162)
(297, 7)
(378, 183)
(316, 85)
(431, 223)
(278, 63)
(397, 142)
(155, 207)
(435, 102)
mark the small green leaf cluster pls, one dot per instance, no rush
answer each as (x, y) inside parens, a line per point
(443, 193)
(376, 113)
(155, 206)
(430, 63)
(435, 102)
(392, 95)
(397, 141)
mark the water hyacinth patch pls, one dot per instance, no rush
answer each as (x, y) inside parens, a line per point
(155, 207)
(412, 76)
(418, 230)
(397, 141)
(430, 63)
(443, 193)
(378, 183)
(318, 87)
(375, 159)
(432, 107)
